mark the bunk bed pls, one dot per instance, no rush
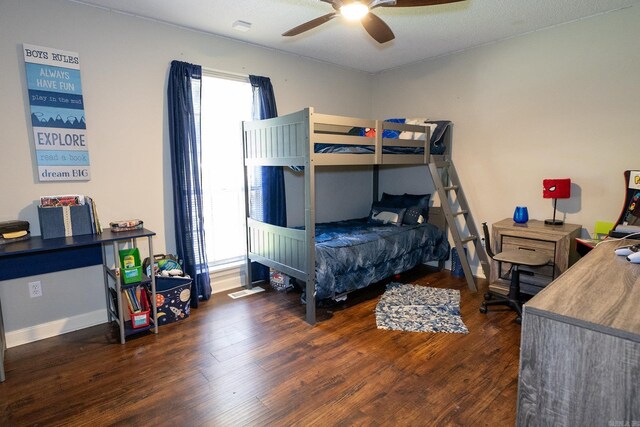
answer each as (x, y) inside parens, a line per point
(311, 140)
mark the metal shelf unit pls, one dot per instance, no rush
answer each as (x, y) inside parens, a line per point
(112, 276)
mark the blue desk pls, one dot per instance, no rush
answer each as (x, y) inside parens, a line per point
(40, 256)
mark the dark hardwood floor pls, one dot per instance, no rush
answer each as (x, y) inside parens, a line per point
(254, 361)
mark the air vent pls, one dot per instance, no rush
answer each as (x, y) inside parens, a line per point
(242, 26)
(246, 292)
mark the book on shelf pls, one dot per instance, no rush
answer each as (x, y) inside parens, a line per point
(127, 297)
(136, 298)
(92, 218)
(95, 215)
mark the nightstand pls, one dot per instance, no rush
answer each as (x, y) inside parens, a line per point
(556, 241)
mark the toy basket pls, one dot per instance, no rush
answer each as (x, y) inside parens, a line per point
(173, 299)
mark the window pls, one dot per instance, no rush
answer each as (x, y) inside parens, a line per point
(226, 102)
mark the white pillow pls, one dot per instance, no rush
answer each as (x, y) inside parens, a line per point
(414, 135)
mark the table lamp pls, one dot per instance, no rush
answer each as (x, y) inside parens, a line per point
(556, 189)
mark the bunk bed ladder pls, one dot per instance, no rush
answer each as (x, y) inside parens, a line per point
(458, 216)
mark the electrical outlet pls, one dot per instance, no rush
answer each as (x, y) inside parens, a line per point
(35, 289)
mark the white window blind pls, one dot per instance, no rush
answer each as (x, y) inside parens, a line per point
(226, 102)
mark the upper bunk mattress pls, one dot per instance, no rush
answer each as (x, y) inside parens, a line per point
(353, 254)
(436, 142)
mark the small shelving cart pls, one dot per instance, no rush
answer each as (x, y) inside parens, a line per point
(113, 281)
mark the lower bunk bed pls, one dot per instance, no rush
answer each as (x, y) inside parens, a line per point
(355, 253)
(351, 254)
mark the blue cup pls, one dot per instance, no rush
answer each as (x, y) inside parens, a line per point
(521, 215)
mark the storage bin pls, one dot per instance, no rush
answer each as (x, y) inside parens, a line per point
(280, 281)
(64, 221)
(173, 299)
(130, 265)
(140, 319)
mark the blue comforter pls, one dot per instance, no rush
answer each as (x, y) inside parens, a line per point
(364, 149)
(353, 254)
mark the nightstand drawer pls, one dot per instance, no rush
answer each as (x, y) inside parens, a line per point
(539, 276)
(543, 246)
(532, 279)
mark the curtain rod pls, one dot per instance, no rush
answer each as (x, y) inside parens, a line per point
(225, 74)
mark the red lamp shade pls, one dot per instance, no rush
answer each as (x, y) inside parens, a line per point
(556, 188)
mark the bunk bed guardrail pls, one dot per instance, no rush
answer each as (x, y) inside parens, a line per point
(279, 247)
(290, 141)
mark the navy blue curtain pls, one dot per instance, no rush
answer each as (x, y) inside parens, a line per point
(183, 95)
(270, 178)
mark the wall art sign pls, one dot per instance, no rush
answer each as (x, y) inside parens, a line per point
(57, 114)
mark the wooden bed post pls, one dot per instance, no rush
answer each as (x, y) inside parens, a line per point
(247, 190)
(310, 220)
(378, 142)
(376, 182)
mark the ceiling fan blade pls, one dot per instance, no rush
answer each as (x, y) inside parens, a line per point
(377, 28)
(309, 25)
(412, 3)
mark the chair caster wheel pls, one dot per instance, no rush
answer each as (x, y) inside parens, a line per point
(519, 320)
(483, 309)
(488, 296)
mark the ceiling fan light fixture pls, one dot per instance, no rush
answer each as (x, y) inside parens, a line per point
(354, 11)
(358, 10)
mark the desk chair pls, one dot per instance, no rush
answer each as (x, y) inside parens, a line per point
(515, 257)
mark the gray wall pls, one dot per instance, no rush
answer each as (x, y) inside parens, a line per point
(556, 103)
(124, 66)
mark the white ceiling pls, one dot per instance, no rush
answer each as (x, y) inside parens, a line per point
(421, 32)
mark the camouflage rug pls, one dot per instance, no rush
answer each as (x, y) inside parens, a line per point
(417, 308)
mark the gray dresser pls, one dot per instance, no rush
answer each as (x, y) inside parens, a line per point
(580, 350)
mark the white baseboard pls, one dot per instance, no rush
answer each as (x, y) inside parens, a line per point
(54, 328)
(225, 280)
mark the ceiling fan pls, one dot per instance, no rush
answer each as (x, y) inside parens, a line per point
(361, 10)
